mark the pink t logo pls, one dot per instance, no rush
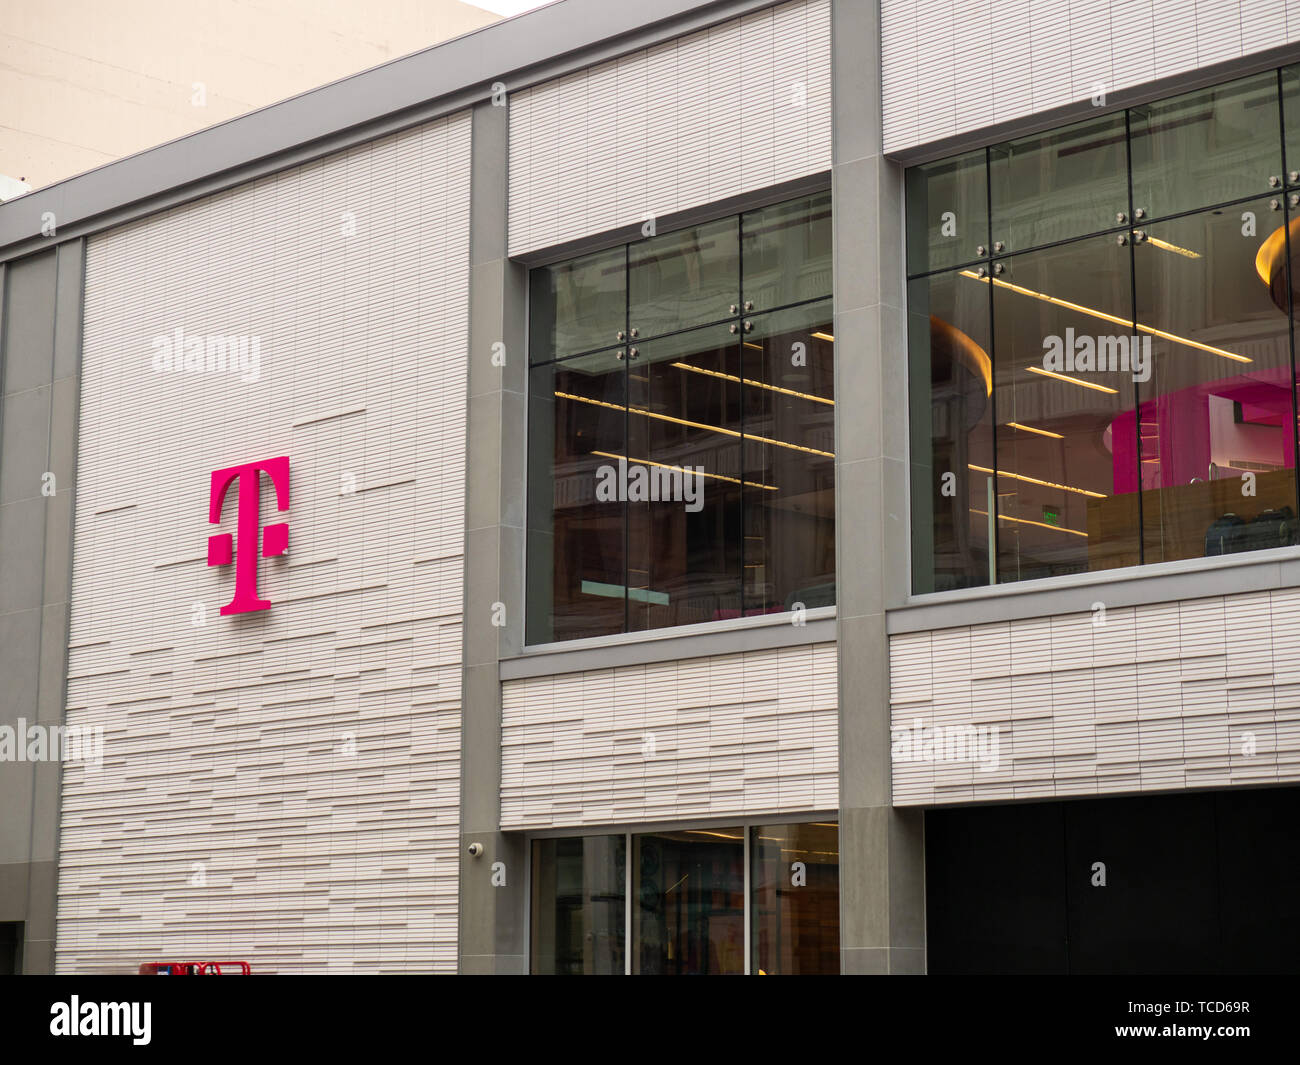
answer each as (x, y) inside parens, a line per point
(275, 538)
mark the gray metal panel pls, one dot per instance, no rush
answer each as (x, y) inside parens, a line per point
(520, 51)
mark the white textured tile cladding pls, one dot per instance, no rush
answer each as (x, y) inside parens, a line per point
(955, 66)
(228, 820)
(1168, 696)
(735, 735)
(733, 108)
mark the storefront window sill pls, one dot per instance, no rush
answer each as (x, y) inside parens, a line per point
(666, 645)
(1163, 582)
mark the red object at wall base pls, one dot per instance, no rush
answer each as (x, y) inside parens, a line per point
(196, 968)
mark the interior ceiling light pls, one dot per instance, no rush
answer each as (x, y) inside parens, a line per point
(683, 469)
(1026, 521)
(1094, 313)
(1164, 245)
(1031, 429)
(694, 425)
(1072, 380)
(825, 336)
(1036, 480)
(754, 384)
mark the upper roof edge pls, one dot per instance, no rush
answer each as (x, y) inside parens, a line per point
(518, 51)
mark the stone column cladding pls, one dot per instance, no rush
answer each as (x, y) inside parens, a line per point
(40, 342)
(492, 884)
(882, 886)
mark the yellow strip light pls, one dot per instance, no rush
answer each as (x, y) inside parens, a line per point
(755, 384)
(694, 425)
(1035, 480)
(1072, 380)
(1164, 245)
(1031, 429)
(683, 469)
(1093, 312)
(824, 336)
(1026, 521)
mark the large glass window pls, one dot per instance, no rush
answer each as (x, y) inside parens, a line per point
(688, 916)
(1216, 420)
(579, 906)
(685, 891)
(1111, 380)
(796, 890)
(681, 428)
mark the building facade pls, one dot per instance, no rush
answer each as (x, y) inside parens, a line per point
(703, 488)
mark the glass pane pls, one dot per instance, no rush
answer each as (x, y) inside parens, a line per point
(682, 480)
(579, 906)
(689, 911)
(788, 366)
(1291, 121)
(1216, 419)
(1057, 185)
(577, 306)
(685, 278)
(1064, 378)
(951, 419)
(947, 212)
(1206, 147)
(576, 537)
(787, 252)
(796, 899)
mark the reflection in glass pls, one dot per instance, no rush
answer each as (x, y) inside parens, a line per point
(642, 512)
(947, 212)
(689, 906)
(579, 911)
(787, 252)
(1190, 450)
(577, 306)
(684, 434)
(1061, 184)
(1065, 362)
(1216, 421)
(1206, 147)
(576, 550)
(951, 420)
(788, 367)
(795, 883)
(678, 280)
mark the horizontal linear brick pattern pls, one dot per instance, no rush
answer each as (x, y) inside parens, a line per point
(738, 734)
(230, 818)
(1203, 693)
(733, 108)
(954, 66)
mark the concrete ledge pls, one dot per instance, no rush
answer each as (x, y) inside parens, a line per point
(1164, 582)
(667, 645)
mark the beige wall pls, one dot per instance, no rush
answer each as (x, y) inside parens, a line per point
(83, 82)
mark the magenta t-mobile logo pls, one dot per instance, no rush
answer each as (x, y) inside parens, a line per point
(275, 538)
